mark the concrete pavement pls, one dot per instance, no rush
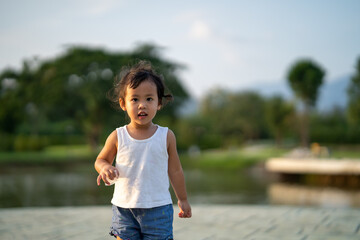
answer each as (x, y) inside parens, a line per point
(208, 222)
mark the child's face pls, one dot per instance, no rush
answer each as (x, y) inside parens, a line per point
(141, 103)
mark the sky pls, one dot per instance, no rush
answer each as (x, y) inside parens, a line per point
(229, 44)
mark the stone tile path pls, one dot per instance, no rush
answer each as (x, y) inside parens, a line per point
(209, 222)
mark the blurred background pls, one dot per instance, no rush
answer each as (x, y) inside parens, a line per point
(252, 81)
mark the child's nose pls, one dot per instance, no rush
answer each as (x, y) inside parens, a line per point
(142, 105)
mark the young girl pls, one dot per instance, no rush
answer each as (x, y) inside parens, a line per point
(146, 157)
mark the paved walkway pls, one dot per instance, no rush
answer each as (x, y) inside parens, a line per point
(208, 222)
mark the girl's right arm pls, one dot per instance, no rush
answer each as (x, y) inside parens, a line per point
(105, 159)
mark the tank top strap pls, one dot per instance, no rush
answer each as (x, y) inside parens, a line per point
(121, 136)
(163, 131)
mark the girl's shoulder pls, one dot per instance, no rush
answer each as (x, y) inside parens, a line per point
(111, 141)
(112, 138)
(113, 134)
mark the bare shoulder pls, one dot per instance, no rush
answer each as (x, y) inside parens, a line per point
(112, 138)
(113, 135)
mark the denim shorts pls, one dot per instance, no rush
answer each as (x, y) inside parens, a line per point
(143, 223)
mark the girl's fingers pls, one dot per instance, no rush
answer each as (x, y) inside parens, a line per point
(105, 180)
(112, 174)
(107, 175)
(98, 180)
(116, 172)
(186, 214)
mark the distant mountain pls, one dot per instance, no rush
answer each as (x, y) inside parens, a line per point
(332, 93)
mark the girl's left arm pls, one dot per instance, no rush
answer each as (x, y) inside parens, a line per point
(176, 176)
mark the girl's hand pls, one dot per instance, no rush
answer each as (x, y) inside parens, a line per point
(185, 209)
(107, 173)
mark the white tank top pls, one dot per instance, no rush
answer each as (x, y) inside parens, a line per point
(143, 170)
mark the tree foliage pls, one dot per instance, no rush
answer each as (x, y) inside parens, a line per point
(279, 117)
(66, 96)
(305, 78)
(332, 128)
(354, 97)
(234, 116)
(72, 88)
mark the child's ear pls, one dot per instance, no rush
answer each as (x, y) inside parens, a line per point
(159, 104)
(122, 104)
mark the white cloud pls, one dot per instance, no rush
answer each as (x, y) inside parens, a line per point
(193, 21)
(199, 30)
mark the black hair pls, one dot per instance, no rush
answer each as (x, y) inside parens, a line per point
(133, 77)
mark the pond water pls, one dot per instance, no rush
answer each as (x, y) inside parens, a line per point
(76, 185)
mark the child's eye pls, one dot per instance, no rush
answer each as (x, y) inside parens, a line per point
(149, 99)
(134, 99)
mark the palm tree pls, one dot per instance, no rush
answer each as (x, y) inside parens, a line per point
(305, 77)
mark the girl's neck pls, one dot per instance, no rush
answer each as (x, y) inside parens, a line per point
(141, 132)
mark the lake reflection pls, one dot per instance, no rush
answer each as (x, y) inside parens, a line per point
(294, 194)
(28, 187)
(42, 186)
(76, 185)
(242, 187)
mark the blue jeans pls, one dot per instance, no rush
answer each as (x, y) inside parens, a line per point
(143, 223)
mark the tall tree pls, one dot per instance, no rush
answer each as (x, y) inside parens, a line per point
(354, 97)
(305, 77)
(11, 101)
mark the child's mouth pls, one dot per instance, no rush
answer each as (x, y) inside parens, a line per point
(142, 115)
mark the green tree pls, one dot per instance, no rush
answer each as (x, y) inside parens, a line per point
(72, 88)
(10, 101)
(197, 131)
(236, 117)
(279, 117)
(353, 109)
(330, 127)
(305, 77)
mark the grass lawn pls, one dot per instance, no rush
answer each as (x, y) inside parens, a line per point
(54, 154)
(239, 158)
(341, 152)
(218, 159)
(234, 159)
